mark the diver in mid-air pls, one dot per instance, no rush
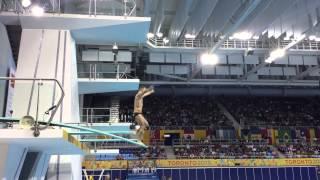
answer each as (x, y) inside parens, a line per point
(137, 112)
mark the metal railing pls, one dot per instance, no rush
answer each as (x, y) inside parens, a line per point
(122, 71)
(92, 8)
(218, 141)
(95, 115)
(235, 44)
(110, 145)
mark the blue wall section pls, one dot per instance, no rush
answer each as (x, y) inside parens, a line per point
(283, 173)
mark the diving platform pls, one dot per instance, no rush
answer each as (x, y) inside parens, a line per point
(51, 141)
(65, 138)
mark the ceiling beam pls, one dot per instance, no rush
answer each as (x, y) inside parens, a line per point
(158, 18)
(180, 19)
(237, 22)
(199, 17)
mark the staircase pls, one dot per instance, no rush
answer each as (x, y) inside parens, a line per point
(225, 111)
(114, 109)
(169, 152)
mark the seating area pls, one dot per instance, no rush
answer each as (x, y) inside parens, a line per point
(216, 151)
(274, 111)
(304, 150)
(249, 111)
(177, 111)
(224, 151)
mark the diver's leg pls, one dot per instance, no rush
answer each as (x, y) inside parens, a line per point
(143, 123)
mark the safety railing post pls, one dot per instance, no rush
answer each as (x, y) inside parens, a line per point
(89, 11)
(87, 116)
(95, 7)
(95, 71)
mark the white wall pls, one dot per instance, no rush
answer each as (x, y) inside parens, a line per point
(6, 61)
(57, 59)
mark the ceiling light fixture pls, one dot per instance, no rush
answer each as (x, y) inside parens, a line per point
(209, 59)
(190, 36)
(26, 3)
(255, 37)
(165, 40)
(37, 10)
(159, 34)
(312, 37)
(278, 53)
(242, 35)
(150, 35)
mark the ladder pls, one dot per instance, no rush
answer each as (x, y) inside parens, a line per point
(114, 109)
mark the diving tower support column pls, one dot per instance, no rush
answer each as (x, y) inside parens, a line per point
(49, 53)
(12, 157)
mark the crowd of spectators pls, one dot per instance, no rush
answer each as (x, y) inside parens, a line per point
(221, 151)
(152, 152)
(300, 150)
(177, 111)
(203, 111)
(275, 111)
(225, 151)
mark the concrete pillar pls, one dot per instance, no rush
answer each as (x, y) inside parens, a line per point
(49, 53)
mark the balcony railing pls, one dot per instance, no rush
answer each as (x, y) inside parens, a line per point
(87, 7)
(95, 115)
(234, 44)
(95, 71)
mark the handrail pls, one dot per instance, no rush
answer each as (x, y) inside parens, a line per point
(52, 7)
(43, 79)
(234, 44)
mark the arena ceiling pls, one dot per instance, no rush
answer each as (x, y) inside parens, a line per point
(214, 18)
(206, 19)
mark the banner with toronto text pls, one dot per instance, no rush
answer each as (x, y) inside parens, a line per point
(238, 162)
(181, 163)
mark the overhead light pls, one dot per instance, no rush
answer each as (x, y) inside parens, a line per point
(242, 35)
(317, 39)
(255, 37)
(269, 60)
(209, 59)
(278, 53)
(190, 36)
(150, 35)
(115, 46)
(165, 40)
(312, 37)
(37, 10)
(231, 37)
(286, 38)
(159, 34)
(115, 49)
(26, 3)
